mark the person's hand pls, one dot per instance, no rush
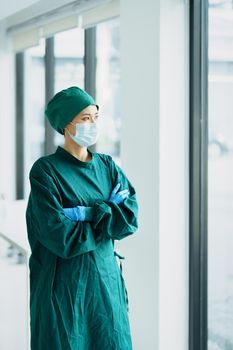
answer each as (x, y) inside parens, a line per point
(118, 197)
(79, 213)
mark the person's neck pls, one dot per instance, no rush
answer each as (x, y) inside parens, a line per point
(77, 151)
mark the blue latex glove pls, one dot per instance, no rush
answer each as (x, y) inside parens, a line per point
(79, 213)
(120, 196)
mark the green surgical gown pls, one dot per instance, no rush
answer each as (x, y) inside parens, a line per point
(78, 298)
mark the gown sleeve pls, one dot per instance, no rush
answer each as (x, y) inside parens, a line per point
(47, 223)
(116, 221)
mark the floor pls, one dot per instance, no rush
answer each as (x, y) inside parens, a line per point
(13, 299)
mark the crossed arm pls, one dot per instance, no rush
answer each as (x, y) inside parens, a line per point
(82, 213)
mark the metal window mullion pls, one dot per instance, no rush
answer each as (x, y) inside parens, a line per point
(198, 282)
(90, 61)
(20, 157)
(49, 145)
(90, 65)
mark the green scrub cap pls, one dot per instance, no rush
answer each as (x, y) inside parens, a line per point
(65, 105)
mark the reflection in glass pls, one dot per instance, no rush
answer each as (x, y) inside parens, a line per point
(220, 168)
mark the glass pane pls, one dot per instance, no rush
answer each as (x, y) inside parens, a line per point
(69, 63)
(108, 87)
(220, 236)
(34, 106)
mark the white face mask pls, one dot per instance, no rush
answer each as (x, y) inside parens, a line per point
(86, 134)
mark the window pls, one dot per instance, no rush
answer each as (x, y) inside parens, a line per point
(86, 58)
(34, 97)
(108, 86)
(69, 63)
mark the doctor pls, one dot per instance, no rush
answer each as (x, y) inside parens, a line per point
(80, 202)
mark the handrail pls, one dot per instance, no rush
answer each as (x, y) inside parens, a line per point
(21, 249)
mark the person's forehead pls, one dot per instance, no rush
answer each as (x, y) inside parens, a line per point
(90, 109)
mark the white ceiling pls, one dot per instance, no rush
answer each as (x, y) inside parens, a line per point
(11, 7)
(40, 7)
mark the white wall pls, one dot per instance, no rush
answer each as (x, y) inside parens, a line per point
(139, 26)
(174, 168)
(154, 96)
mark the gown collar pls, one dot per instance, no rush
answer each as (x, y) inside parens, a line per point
(65, 154)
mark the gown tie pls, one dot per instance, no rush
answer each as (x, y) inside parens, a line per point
(122, 279)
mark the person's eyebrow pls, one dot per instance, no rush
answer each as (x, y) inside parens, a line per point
(89, 113)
